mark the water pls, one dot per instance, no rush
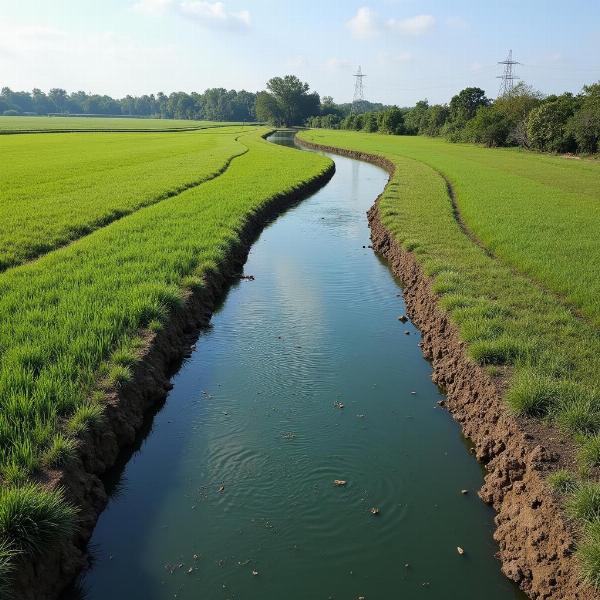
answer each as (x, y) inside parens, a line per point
(236, 475)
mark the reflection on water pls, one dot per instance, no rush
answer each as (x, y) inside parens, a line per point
(231, 494)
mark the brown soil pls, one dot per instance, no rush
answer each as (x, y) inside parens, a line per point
(52, 572)
(535, 539)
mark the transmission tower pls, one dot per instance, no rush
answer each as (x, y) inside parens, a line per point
(508, 77)
(358, 92)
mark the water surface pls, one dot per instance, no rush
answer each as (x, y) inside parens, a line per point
(231, 493)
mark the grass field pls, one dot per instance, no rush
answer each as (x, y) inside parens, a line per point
(56, 188)
(73, 321)
(540, 215)
(20, 124)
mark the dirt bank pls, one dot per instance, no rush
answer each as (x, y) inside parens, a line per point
(49, 575)
(535, 539)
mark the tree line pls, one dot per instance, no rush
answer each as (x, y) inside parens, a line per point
(524, 117)
(287, 101)
(215, 104)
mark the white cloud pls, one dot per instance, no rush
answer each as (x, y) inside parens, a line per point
(416, 25)
(214, 13)
(207, 14)
(363, 24)
(152, 7)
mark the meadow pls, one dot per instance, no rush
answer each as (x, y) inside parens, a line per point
(57, 188)
(528, 298)
(22, 124)
(74, 319)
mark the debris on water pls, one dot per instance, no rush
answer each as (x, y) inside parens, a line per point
(221, 488)
(288, 435)
(339, 482)
(247, 277)
(255, 573)
(374, 510)
(464, 492)
(361, 416)
(402, 318)
(338, 404)
(460, 550)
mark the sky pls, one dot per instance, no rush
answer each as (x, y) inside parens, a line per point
(409, 49)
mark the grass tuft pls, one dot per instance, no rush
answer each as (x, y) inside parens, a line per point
(32, 519)
(562, 481)
(584, 502)
(86, 416)
(61, 450)
(588, 553)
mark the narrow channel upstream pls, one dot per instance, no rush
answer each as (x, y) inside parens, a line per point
(231, 493)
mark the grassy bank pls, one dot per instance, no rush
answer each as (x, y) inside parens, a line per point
(58, 123)
(75, 317)
(57, 188)
(539, 215)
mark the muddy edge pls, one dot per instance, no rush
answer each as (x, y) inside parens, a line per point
(47, 576)
(536, 541)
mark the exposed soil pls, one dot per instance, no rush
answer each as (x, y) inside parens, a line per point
(536, 541)
(52, 572)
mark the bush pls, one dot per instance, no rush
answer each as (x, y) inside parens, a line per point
(548, 125)
(489, 127)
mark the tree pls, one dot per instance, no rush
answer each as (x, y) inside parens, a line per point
(464, 105)
(435, 119)
(267, 109)
(516, 106)
(290, 102)
(548, 124)
(392, 121)
(59, 98)
(416, 117)
(585, 124)
(489, 126)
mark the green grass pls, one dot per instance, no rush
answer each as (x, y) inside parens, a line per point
(541, 216)
(19, 124)
(57, 188)
(73, 319)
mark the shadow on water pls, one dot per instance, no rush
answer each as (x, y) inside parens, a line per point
(305, 376)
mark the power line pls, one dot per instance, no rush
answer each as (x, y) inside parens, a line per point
(508, 77)
(358, 97)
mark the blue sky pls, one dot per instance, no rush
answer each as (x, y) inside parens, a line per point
(409, 49)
